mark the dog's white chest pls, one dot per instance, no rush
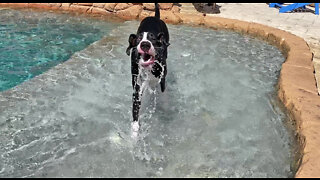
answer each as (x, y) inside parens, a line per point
(147, 79)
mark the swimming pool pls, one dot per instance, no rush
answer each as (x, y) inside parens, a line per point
(217, 118)
(32, 42)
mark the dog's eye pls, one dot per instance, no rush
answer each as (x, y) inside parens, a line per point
(152, 36)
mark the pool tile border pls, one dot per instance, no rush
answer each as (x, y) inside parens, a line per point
(296, 86)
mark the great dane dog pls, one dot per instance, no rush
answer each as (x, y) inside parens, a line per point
(148, 59)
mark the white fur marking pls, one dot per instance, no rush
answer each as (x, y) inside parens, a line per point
(145, 34)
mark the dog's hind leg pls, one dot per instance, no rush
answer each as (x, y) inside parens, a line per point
(163, 77)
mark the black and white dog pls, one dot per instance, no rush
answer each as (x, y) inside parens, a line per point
(148, 59)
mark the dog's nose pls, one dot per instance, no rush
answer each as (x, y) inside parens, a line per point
(145, 46)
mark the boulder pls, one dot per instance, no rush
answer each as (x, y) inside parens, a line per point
(169, 17)
(165, 6)
(145, 13)
(78, 8)
(55, 6)
(99, 5)
(191, 19)
(130, 13)
(83, 4)
(175, 9)
(110, 6)
(122, 6)
(39, 5)
(96, 10)
(148, 6)
(65, 6)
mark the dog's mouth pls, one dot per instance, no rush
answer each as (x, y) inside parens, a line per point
(148, 59)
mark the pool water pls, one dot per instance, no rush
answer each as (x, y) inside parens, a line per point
(33, 42)
(217, 117)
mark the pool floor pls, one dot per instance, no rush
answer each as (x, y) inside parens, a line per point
(216, 118)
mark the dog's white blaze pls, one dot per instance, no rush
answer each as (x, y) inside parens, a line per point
(144, 39)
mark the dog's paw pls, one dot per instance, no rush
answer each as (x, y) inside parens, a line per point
(135, 129)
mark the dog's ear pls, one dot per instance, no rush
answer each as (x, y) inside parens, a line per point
(162, 40)
(132, 43)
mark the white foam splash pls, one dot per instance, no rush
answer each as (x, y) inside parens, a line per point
(115, 138)
(135, 129)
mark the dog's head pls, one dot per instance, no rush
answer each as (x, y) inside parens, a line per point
(149, 46)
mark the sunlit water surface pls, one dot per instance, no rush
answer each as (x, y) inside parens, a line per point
(215, 119)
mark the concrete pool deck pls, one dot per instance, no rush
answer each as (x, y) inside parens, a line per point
(296, 38)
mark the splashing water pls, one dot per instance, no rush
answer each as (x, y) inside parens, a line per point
(216, 118)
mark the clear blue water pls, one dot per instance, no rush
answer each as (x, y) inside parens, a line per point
(32, 42)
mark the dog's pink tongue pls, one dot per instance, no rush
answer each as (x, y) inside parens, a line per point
(145, 64)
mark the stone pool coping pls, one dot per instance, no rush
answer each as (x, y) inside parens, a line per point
(296, 86)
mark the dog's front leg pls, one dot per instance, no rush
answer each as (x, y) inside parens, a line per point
(136, 99)
(136, 103)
